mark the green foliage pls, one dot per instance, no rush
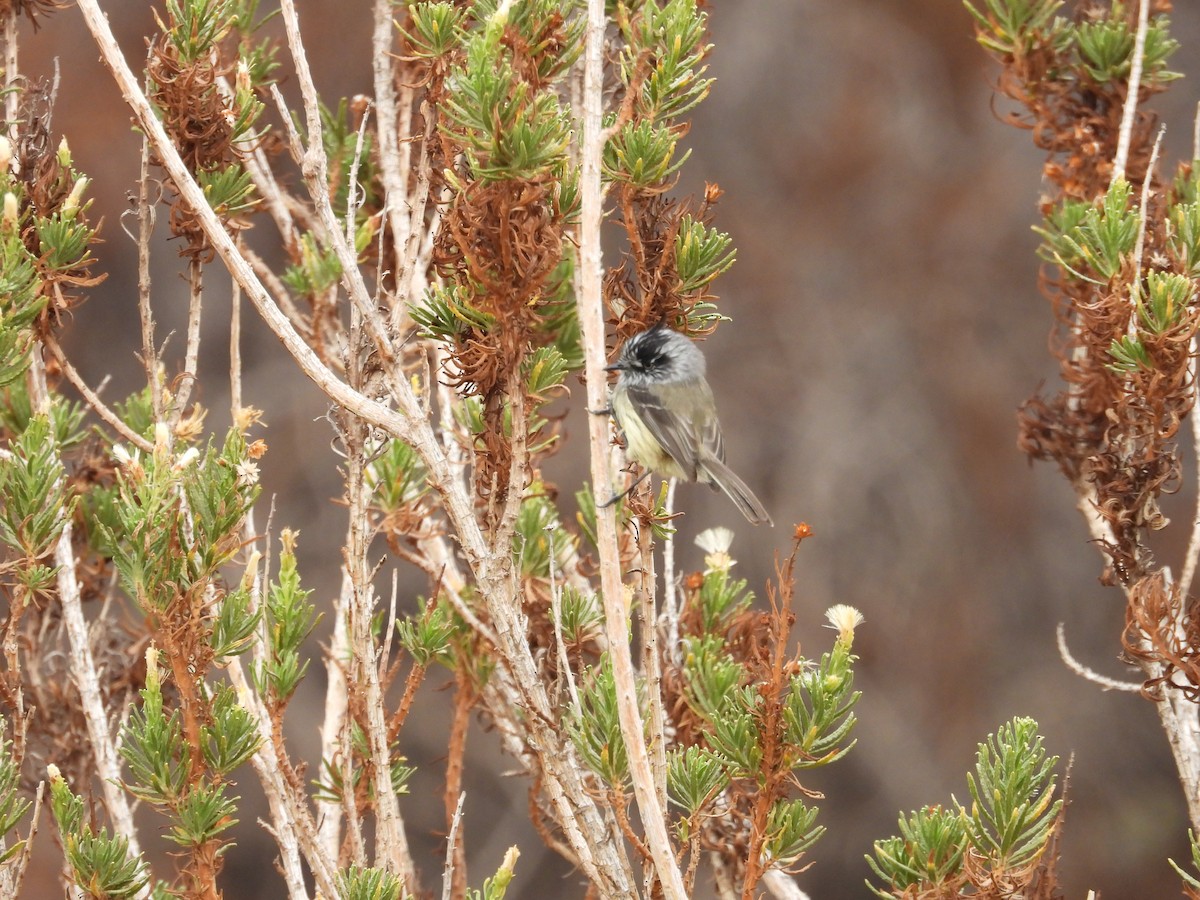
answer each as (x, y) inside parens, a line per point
(585, 516)
(538, 534)
(1183, 236)
(195, 27)
(1129, 355)
(229, 191)
(234, 627)
(162, 549)
(1168, 296)
(580, 616)
(15, 345)
(360, 883)
(219, 493)
(137, 411)
(65, 241)
(12, 805)
(642, 155)
(721, 598)
(429, 637)
(66, 416)
(436, 29)
(20, 302)
(153, 744)
(37, 500)
(712, 674)
(1006, 831)
(694, 778)
(1188, 879)
(257, 58)
(927, 853)
(819, 710)
(319, 268)
(791, 830)
(545, 370)
(1099, 238)
(1106, 48)
(101, 866)
(508, 126)
(397, 476)
(1015, 27)
(232, 737)
(701, 254)
(560, 313)
(290, 619)
(446, 313)
(672, 35)
(595, 727)
(496, 887)
(1012, 790)
(331, 786)
(341, 137)
(146, 539)
(550, 31)
(202, 814)
(1061, 222)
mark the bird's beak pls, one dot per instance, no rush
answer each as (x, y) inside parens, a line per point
(615, 367)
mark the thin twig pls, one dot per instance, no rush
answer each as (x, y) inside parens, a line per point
(670, 604)
(1109, 684)
(1135, 291)
(315, 167)
(1190, 558)
(278, 291)
(564, 663)
(390, 171)
(1129, 111)
(1196, 135)
(235, 353)
(291, 825)
(416, 250)
(329, 812)
(12, 73)
(146, 218)
(265, 183)
(652, 667)
(93, 400)
(391, 842)
(451, 841)
(191, 356)
(282, 801)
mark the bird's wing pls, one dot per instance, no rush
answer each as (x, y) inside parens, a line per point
(667, 411)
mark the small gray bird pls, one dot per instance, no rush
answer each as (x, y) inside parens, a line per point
(665, 409)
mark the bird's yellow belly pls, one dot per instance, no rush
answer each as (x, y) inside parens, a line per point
(641, 444)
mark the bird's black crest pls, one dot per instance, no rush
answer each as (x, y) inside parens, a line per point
(647, 351)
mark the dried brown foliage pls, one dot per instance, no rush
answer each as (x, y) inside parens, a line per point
(643, 289)
(31, 9)
(199, 118)
(1113, 432)
(47, 187)
(1152, 635)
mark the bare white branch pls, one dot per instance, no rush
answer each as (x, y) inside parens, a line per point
(1129, 111)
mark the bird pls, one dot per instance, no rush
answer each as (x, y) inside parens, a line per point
(664, 407)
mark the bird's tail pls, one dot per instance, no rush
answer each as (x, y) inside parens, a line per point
(720, 475)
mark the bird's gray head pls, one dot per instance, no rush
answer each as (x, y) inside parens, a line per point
(659, 355)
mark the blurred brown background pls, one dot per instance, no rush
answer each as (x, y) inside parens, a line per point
(886, 326)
